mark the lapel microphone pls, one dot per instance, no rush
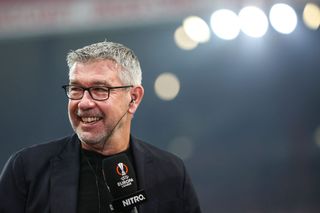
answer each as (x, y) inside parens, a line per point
(120, 178)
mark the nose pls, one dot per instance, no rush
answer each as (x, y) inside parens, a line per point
(86, 101)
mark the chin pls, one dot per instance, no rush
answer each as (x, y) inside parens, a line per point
(90, 139)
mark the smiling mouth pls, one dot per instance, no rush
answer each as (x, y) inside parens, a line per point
(88, 120)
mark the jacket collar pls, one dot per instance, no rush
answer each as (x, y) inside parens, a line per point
(144, 166)
(64, 177)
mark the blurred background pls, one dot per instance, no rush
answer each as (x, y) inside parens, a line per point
(232, 87)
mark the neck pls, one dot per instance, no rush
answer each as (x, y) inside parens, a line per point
(113, 145)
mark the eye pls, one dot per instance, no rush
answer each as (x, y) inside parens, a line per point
(75, 89)
(99, 90)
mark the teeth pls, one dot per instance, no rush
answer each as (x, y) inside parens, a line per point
(90, 119)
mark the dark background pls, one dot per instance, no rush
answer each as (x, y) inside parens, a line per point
(250, 107)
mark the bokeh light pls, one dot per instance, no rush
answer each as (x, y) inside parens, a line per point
(167, 86)
(225, 24)
(182, 146)
(253, 21)
(283, 18)
(311, 16)
(183, 41)
(197, 29)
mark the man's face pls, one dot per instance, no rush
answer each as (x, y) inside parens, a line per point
(94, 121)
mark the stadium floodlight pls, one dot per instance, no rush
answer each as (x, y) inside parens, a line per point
(283, 18)
(253, 21)
(225, 24)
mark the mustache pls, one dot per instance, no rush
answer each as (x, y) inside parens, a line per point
(89, 113)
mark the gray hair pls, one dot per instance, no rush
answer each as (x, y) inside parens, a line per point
(122, 55)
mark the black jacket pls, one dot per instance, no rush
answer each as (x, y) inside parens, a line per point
(44, 178)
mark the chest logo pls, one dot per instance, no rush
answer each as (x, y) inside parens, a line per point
(122, 169)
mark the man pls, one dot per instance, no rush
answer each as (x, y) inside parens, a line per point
(66, 175)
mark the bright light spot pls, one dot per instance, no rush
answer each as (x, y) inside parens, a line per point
(167, 86)
(225, 24)
(311, 16)
(182, 146)
(283, 18)
(253, 21)
(183, 40)
(317, 136)
(197, 29)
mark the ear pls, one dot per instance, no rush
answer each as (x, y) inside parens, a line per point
(137, 93)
